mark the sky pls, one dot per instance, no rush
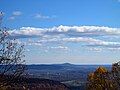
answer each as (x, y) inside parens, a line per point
(65, 31)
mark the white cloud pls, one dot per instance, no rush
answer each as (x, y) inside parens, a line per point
(93, 42)
(15, 14)
(44, 17)
(68, 31)
(60, 47)
(89, 36)
(95, 49)
(27, 50)
(81, 39)
(40, 16)
(12, 18)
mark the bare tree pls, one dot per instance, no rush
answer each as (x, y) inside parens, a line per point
(11, 54)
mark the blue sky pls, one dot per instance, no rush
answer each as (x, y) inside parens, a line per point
(58, 31)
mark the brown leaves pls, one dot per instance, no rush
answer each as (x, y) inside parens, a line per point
(101, 79)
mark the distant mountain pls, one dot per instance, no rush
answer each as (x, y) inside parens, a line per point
(62, 72)
(64, 66)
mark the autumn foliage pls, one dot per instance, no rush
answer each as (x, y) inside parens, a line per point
(102, 79)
